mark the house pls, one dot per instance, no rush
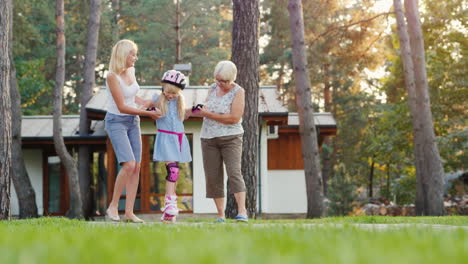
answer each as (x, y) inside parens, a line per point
(281, 182)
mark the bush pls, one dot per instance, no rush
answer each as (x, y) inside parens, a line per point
(404, 188)
(342, 192)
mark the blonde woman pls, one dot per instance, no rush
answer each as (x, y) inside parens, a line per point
(122, 124)
(171, 145)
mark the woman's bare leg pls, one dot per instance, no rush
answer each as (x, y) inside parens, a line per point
(132, 188)
(122, 178)
(220, 206)
(240, 200)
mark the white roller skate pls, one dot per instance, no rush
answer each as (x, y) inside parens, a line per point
(170, 210)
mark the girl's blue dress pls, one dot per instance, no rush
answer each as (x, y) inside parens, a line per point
(166, 146)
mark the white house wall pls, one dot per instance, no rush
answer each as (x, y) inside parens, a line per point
(33, 162)
(200, 203)
(262, 201)
(286, 192)
(280, 191)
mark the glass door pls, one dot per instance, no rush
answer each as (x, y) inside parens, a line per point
(157, 182)
(55, 187)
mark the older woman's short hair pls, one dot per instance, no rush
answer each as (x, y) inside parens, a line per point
(226, 70)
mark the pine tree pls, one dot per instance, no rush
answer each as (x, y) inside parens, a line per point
(341, 192)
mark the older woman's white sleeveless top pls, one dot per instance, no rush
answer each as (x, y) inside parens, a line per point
(129, 93)
(221, 105)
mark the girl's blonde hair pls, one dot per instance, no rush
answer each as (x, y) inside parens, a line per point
(119, 55)
(162, 100)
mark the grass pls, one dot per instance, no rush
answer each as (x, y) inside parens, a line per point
(433, 220)
(59, 240)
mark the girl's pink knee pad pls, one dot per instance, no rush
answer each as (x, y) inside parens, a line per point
(172, 172)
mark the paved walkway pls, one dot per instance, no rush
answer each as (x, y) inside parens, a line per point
(371, 227)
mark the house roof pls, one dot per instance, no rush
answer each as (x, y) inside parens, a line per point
(41, 127)
(269, 101)
(323, 119)
(270, 105)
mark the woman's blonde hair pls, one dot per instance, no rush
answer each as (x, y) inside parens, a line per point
(119, 55)
(227, 70)
(162, 100)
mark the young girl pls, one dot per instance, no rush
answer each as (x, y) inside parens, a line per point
(171, 145)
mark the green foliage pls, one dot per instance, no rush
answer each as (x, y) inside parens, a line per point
(34, 40)
(205, 28)
(446, 50)
(34, 89)
(388, 140)
(352, 115)
(452, 147)
(342, 43)
(342, 192)
(404, 188)
(205, 33)
(444, 33)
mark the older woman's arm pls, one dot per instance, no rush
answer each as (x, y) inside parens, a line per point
(237, 110)
(188, 113)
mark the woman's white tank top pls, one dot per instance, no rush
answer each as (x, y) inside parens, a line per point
(129, 93)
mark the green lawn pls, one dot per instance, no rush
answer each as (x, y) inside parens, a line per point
(327, 240)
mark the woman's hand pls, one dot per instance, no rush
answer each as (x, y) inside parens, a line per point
(203, 111)
(145, 103)
(155, 114)
(233, 117)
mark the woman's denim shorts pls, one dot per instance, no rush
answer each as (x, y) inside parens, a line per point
(124, 133)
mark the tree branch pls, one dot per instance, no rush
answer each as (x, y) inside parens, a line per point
(331, 29)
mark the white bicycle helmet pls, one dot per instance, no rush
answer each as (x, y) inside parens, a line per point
(175, 78)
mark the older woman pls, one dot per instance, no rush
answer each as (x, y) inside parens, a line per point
(221, 139)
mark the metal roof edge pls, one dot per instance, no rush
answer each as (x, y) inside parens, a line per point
(48, 116)
(273, 114)
(68, 138)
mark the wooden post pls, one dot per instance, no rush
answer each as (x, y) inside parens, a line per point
(111, 173)
(145, 174)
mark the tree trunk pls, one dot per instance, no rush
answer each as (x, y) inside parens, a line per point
(178, 57)
(431, 164)
(84, 160)
(429, 170)
(245, 55)
(115, 20)
(371, 179)
(19, 175)
(326, 155)
(327, 165)
(101, 186)
(5, 109)
(310, 151)
(76, 210)
(388, 182)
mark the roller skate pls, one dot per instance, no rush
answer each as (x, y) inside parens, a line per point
(170, 210)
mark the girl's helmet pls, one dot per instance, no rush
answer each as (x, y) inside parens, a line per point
(175, 78)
